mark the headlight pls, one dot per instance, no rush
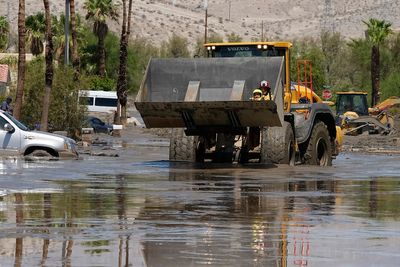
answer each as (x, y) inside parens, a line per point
(68, 145)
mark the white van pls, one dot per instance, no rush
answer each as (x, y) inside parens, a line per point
(99, 101)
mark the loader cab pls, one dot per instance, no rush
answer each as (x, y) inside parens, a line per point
(256, 49)
(352, 101)
(235, 50)
(253, 49)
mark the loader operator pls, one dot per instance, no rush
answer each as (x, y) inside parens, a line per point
(266, 90)
(257, 95)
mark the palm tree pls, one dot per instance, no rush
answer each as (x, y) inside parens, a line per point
(99, 11)
(19, 220)
(75, 56)
(4, 30)
(49, 68)
(35, 29)
(58, 30)
(123, 56)
(21, 59)
(377, 32)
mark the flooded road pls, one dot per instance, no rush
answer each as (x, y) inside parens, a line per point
(134, 210)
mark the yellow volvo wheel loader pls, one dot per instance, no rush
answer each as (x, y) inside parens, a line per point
(207, 102)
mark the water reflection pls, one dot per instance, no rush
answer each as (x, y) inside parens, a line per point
(373, 200)
(255, 215)
(191, 218)
(47, 223)
(19, 218)
(120, 191)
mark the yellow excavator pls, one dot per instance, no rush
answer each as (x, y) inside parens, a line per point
(354, 116)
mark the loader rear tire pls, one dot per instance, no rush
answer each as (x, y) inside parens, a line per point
(224, 149)
(319, 149)
(277, 145)
(182, 147)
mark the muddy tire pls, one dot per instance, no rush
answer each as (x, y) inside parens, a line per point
(182, 147)
(319, 149)
(277, 145)
(40, 153)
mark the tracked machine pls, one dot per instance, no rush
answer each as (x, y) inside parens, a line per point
(206, 102)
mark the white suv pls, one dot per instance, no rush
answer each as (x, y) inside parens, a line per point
(17, 139)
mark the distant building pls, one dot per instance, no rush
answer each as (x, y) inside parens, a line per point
(11, 61)
(5, 78)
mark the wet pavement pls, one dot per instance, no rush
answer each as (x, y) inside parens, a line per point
(138, 209)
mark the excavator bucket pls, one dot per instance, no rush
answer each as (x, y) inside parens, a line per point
(393, 101)
(210, 93)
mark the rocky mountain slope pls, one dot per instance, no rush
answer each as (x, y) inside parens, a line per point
(251, 19)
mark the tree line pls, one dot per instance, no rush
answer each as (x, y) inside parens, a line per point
(47, 92)
(367, 63)
(46, 28)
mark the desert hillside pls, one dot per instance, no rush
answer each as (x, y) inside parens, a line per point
(281, 19)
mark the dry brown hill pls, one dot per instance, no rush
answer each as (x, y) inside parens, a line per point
(281, 19)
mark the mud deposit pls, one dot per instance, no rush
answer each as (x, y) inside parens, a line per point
(138, 209)
(375, 143)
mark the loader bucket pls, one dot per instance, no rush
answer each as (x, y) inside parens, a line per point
(210, 92)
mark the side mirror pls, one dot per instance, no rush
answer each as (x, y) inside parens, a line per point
(8, 127)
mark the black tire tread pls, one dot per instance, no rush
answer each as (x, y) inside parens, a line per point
(274, 146)
(40, 153)
(182, 147)
(319, 128)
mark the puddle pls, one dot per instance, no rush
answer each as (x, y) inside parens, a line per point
(174, 214)
(141, 210)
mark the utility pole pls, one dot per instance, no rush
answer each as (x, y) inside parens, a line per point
(66, 29)
(328, 23)
(9, 23)
(262, 31)
(205, 21)
(229, 14)
(8, 11)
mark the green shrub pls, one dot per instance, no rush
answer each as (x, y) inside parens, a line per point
(175, 47)
(95, 82)
(233, 37)
(140, 51)
(308, 49)
(64, 114)
(390, 86)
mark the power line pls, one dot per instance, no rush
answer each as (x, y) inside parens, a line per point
(66, 25)
(328, 17)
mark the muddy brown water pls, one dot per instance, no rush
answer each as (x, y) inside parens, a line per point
(141, 210)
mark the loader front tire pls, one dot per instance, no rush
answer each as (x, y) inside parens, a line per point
(182, 147)
(277, 145)
(319, 149)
